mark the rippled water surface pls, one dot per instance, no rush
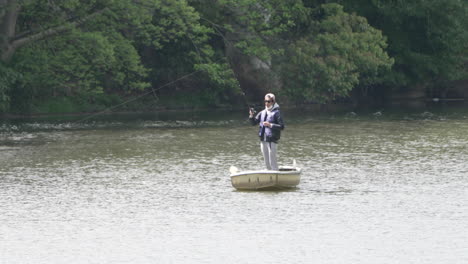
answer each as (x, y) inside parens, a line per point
(374, 189)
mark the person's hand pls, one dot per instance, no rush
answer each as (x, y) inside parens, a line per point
(251, 112)
(267, 124)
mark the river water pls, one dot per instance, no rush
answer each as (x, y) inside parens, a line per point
(155, 188)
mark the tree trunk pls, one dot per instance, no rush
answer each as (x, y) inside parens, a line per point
(10, 41)
(9, 10)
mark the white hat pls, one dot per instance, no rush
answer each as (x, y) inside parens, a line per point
(271, 96)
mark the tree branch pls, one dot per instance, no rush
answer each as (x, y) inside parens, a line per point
(10, 43)
(53, 31)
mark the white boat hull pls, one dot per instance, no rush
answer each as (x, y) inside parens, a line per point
(286, 177)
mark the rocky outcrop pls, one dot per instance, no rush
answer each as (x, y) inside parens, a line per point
(255, 76)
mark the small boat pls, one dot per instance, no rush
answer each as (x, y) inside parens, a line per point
(285, 177)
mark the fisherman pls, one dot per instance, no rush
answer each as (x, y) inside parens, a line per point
(271, 124)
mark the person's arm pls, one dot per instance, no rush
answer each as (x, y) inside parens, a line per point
(279, 124)
(254, 119)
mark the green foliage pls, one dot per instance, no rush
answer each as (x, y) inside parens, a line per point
(81, 62)
(314, 49)
(319, 52)
(428, 39)
(179, 45)
(38, 15)
(7, 79)
(77, 104)
(255, 27)
(220, 82)
(340, 51)
(57, 106)
(78, 64)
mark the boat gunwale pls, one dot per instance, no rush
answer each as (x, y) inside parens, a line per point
(293, 171)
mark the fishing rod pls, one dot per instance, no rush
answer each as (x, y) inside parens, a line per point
(251, 107)
(246, 102)
(153, 90)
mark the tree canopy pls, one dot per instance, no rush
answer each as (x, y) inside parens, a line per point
(427, 38)
(87, 55)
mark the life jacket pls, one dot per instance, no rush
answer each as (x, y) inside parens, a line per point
(270, 134)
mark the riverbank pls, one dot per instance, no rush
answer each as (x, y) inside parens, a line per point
(291, 111)
(309, 108)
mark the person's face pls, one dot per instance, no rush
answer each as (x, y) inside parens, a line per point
(268, 101)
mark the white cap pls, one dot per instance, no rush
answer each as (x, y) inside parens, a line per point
(271, 96)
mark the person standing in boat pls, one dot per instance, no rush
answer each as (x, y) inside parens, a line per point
(270, 126)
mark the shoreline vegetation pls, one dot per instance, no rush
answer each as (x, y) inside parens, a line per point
(76, 57)
(343, 107)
